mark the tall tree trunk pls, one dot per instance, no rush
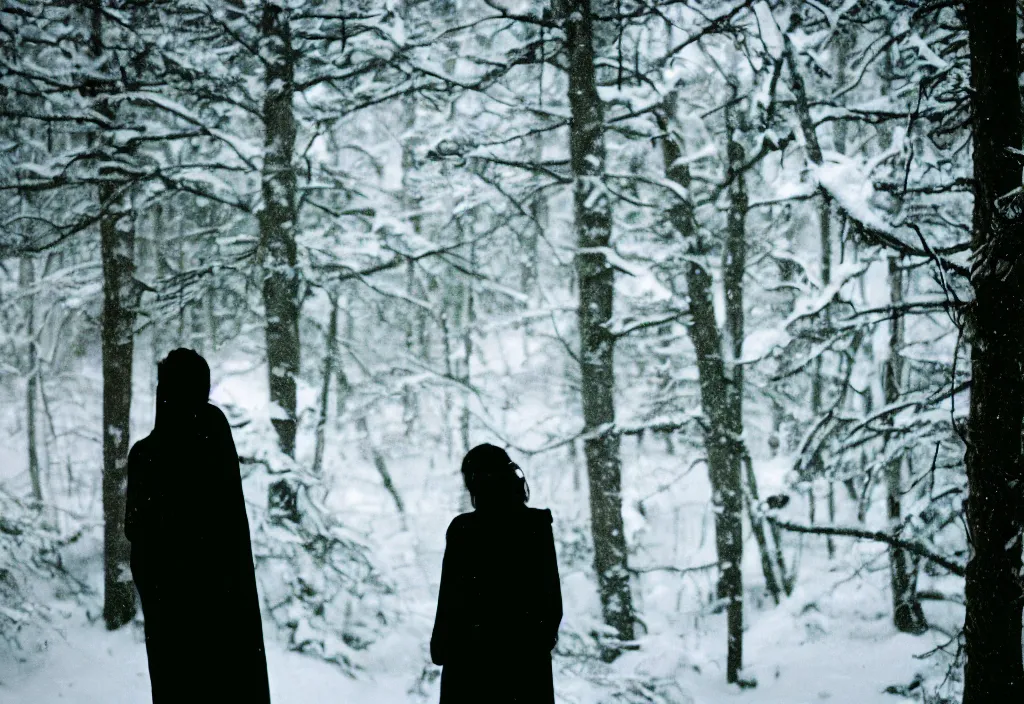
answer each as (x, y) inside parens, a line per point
(117, 245)
(721, 429)
(906, 609)
(529, 270)
(120, 302)
(593, 223)
(27, 282)
(325, 388)
(158, 271)
(814, 155)
(992, 627)
(468, 319)
(844, 45)
(825, 221)
(412, 203)
(278, 220)
(734, 266)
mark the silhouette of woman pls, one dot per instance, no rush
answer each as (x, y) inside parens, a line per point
(500, 602)
(191, 558)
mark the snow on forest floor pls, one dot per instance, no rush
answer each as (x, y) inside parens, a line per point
(831, 641)
(836, 646)
(92, 666)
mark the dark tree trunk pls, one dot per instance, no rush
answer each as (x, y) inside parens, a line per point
(117, 244)
(818, 381)
(992, 627)
(120, 301)
(722, 428)
(734, 263)
(278, 221)
(27, 282)
(734, 267)
(597, 344)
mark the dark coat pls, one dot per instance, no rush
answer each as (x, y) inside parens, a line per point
(192, 563)
(499, 608)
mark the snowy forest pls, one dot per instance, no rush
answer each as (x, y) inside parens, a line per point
(734, 281)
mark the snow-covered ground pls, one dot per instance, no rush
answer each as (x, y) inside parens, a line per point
(831, 641)
(89, 665)
(832, 645)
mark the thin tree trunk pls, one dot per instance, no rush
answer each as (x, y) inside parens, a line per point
(721, 431)
(468, 319)
(159, 273)
(530, 261)
(449, 370)
(363, 427)
(773, 561)
(381, 465)
(325, 388)
(415, 323)
(278, 221)
(210, 305)
(906, 609)
(814, 155)
(734, 265)
(408, 392)
(184, 327)
(593, 224)
(818, 382)
(844, 44)
(27, 282)
(992, 627)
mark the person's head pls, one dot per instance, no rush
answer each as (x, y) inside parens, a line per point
(182, 380)
(493, 479)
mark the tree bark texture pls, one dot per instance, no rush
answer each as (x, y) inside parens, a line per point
(992, 627)
(723, 427)
(117, 254)
(595, 278)
(27, 282)
(278, 222)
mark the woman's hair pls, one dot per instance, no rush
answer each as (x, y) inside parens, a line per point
(183, 378)
(494, 480)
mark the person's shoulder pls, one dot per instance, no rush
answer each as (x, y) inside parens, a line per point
(462, 520)
(460, 523)
(213, 414)
(540, 515)
(140, 450)
(213, 423)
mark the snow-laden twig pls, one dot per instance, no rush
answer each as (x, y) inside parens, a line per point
(876, 535)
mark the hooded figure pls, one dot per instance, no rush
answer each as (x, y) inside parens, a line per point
(500, 602)
(191, 558)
